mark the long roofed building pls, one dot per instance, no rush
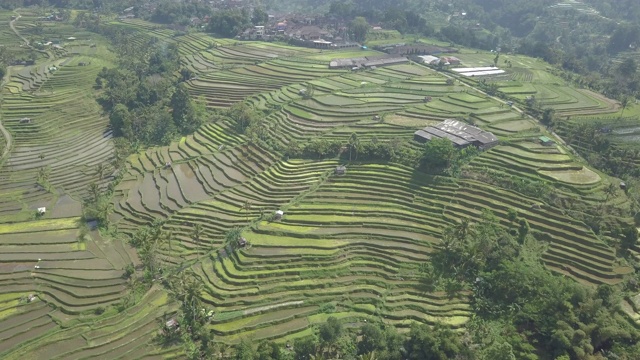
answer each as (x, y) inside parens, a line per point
(459, 133)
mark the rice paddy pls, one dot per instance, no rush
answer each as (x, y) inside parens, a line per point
(355, 242)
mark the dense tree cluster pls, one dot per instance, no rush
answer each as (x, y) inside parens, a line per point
(231, 22)
(390, 15)
(172, 12)
(5, 59)
(513, 292)
(146, 102)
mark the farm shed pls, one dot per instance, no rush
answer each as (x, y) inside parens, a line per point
(452, 60)
(459, 133)
(429, 59)
(369, 61)
(172, 323)
(341, 170)
(42, 210)
(279, 214)
(546, 141)
(25, 120)
(242, 242)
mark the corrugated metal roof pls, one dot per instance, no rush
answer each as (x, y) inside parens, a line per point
(458, 132)
(483, 73)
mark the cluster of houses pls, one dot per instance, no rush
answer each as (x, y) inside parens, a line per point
(50, 17)
(301, 32)
(435, 60)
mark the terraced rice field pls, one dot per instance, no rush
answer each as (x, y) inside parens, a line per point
(7, 37)
(352, 242)
(57, 127)
(60, 286)
(527, 77)
(69, 277)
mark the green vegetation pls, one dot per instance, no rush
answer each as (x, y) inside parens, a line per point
(212, 198)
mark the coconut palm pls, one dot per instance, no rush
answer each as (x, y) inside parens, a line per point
(196, 233)
(100, 169)
(246, 207)
(368, 356)
(94, 191)
(354, 143)
(610, 191)
(624, 102)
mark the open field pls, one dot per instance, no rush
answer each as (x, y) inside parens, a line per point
(351, 243)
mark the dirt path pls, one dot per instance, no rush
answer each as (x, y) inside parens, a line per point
(269, 307)
(3, 130)
(9, 142)
(12, 25)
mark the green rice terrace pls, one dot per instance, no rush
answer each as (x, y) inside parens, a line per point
(355, 242)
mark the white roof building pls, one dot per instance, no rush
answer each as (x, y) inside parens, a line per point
(429, 59)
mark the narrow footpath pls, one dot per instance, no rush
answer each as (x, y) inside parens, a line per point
(3, 130)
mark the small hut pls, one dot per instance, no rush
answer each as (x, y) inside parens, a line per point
(545, 141)
(31, 297)
(25, 120)
(42, 210)
(376, 118)
(278, 215)
(242, 242)
(341, 170)
(623, 186)
(427, 99)
(172, 324)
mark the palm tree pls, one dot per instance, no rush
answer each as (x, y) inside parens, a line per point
(624, 102)
(368, 356)
(354, 143)
(246, 207)
(100, 169)
(463, 228)
(43, 175)
(167, 238)
(224, 351)
(197, 232)
(104, 212)
(94, 190)
(610, 191)
(187, 288)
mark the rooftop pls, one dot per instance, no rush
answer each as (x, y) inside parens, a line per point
(459, 133)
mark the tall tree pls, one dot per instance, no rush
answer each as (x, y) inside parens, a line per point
(359, 28)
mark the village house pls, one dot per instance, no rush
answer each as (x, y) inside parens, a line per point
(450, 60)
